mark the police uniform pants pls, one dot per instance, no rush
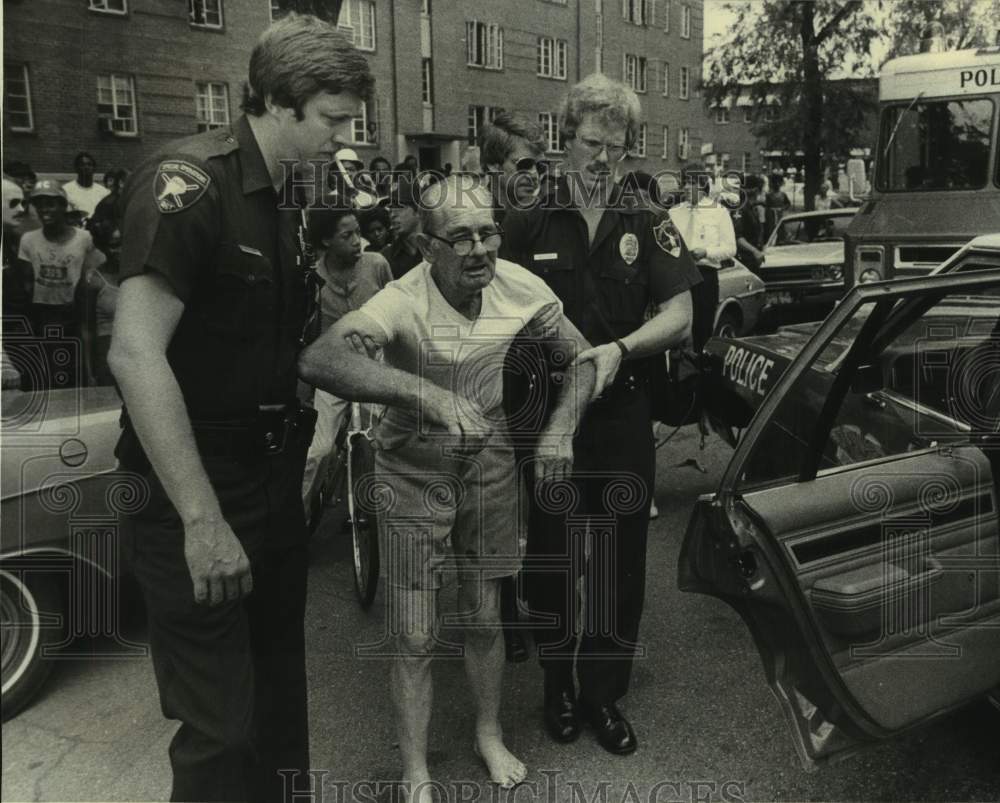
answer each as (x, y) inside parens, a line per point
(234, 675)
(597, 529)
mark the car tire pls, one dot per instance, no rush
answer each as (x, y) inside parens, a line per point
(728, 325)
(25, 598)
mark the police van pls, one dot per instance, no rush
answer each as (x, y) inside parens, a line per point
(936, 182)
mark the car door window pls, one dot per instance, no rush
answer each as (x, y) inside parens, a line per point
(924, 383)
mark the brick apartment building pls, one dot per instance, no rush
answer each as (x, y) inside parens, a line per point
(731, 143)
(119, 78)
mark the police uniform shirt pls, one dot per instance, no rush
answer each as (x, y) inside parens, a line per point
(636, 258)
(203, 214)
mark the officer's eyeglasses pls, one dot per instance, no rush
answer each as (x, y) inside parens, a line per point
(464, 246)
(615, 152)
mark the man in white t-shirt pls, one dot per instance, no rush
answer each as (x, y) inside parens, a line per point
(83, 192)
(704, 223)
(445, 459)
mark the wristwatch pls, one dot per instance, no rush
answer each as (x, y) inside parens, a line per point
(623, 347)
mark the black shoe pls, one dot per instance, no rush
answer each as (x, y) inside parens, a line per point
(613, 731)
(562, 717)
(514, 646)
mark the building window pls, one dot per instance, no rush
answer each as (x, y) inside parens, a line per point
(666, 16)
(666, 80)
(426, 88)
(17, 98)
(551, 61)
(666, 143)
(550, 130)
(745, 162)
(116, 105)
(684, 87)
(640, 143)
(683, 143)
(109, 6)
(721, 115)
(635, 11)
(357, 22)
(634, 71)
(685, 22)
(364, 129)
(479, 116)
(211, 103)
(770, 113)
(205, 13)
(747, 114)
(483, 45)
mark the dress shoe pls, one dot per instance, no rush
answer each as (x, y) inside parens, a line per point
(562, 718)
(514, 646)
(613, 731)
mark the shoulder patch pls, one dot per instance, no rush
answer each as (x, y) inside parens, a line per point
(178, 185)
(667, 238)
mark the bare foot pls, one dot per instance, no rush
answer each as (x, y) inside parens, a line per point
(505, 769)
(418, 788)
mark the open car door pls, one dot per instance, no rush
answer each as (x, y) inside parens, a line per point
(856, 528)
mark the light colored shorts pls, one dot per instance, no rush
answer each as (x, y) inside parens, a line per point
(441, 510)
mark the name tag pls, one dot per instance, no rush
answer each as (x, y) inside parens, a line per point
(246, 249)
(545, 257)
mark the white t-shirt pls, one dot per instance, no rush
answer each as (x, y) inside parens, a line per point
(85, 199)
(431, 339)
(708, 226)
(58, 266)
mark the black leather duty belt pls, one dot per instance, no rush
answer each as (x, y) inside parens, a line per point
(269, 434)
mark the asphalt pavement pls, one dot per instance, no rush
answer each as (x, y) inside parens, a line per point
(707, 725)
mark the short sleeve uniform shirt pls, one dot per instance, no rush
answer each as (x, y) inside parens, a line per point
(607, 287)
(204, 216)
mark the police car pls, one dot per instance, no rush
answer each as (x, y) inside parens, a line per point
(855, 529)
(62, 500)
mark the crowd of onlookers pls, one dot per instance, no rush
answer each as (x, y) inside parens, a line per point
(60, 263)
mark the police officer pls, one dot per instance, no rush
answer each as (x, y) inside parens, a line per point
(608, 259)
(209, 325)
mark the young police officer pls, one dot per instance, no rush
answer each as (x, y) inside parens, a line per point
(608, 260)
(210, 318)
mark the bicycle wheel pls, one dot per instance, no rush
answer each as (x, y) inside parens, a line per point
(364, 521)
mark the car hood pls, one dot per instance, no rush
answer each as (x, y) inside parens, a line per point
(781, 256)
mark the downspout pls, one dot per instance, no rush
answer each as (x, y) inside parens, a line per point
(599, 44)
(397, 156)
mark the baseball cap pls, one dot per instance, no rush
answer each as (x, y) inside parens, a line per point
(405, 193)
(49, 187)
(348, 155)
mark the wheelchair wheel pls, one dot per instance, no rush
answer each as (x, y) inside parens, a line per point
(363, 520)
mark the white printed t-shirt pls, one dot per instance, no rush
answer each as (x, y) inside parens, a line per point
(59, 266)
(429, 338)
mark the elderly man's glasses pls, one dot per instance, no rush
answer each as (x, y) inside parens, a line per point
(526, 164)
(615, 152)
(463, 246)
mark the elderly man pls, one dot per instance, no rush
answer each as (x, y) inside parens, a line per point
(443, 450)
(608, 261)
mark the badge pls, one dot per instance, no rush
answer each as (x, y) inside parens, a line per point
(178, 185)
(628, 247)
(667, 238)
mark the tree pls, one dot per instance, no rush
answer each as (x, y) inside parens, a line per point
(788, 53)
(967, 23)
(327, 10)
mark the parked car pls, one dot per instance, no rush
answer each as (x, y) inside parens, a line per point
(62, 496)
(855, 529)
(741, 299)
(804, 261)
